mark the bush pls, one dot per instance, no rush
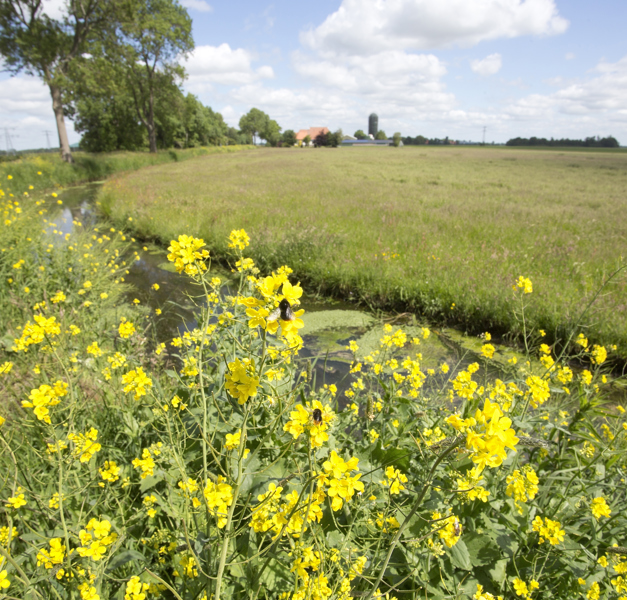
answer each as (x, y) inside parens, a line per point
(237, 475)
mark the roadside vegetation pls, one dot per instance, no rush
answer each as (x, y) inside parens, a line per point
(233, 474)
(439, 231)
(48, 171)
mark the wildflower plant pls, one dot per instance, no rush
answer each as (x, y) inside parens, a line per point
(237, 475)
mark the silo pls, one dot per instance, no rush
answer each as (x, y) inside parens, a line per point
(373, 125)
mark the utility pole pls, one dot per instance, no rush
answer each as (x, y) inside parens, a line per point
(484, 128)
(47, 132)
(7, 138)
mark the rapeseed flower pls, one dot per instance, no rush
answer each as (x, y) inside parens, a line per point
(136, 381)
(17, 501)
(600, 508)
(135, 589)
(449, 528)
(52, 557)
(187, 255)
(523, 485)
(110, 471)
(126, 329)
(85, 444)
(548, 530)
(44, 397)
(219, 497)
(538, 389)
(394, 481)
(4, 580)
(524, 284)
(238, 239)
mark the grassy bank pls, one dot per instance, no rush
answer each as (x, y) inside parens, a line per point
(47, 171)
(444, 231)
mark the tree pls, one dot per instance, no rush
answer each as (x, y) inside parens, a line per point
(254, 123)
(321, 140)
(380, 135)
(271, 133)
(307, 140)
(32, 42)
(148, 38)
(397, 139)
(360, 135)
(289, 138)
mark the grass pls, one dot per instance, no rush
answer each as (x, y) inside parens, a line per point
(47, 171)
(442, 231)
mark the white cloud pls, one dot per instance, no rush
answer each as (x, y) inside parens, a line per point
(488, 66)
(370, 26)
(569, 56)
(24, 94)
(199, 5)
(223, 65)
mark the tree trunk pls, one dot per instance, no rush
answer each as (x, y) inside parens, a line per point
(152, 130)
(57, 107)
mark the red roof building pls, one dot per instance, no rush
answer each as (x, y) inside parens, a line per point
(312, 132)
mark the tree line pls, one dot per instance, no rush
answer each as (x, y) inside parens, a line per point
(113, 66)
(589, 142)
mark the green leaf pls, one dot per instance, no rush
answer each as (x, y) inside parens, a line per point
(124, 557)
(498, 572)
(460, 557)
(481, 548)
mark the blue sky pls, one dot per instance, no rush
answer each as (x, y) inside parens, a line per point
(438, 68)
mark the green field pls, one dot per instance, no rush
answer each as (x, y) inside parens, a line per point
(414, 228)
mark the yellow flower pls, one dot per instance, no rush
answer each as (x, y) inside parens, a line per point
(136, 381)
(524, 284)
(238, 239)
(594, 593)
(487, 350)
(126, 329)
(600, 508)
(18, 500)
(4, 580)
(187, 255)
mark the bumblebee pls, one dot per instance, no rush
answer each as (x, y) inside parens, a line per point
(284, 312)
(457, 528)
(316, 415)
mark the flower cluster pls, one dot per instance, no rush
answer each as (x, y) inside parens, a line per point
(302, 419)
(52, 557)
(238, 239)
(488, 434)
(341, 484)
(599, 508)
(44, 397)
(136, 381)
(187, 256)
(147, 463)
(395, 480)
(548, 530)
(219, 497)
(523, 485)
(524, 284)
(280, 514)
(85, 444)
(241, 381)
(35, 333)
(449, 529)
(95, 539)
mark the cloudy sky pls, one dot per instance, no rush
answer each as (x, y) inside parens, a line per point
(554, 68)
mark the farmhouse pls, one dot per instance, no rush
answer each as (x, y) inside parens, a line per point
(312, 132)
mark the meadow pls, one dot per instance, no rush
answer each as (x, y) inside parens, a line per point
(441, 231)
(227, 473)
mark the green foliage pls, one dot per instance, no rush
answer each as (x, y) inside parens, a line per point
(232, 473)
(144, 41)
(397, 139)
(289, 138)
(31, 41)
(257, 123)
(360, 135)
(48, 171)
(380, 135)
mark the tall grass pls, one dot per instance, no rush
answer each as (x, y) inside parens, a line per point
(443, 231)
(48, 170)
